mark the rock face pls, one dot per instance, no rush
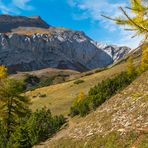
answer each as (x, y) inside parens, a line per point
(8, 22)
(53, 47)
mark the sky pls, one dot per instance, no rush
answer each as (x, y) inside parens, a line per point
(82, 15)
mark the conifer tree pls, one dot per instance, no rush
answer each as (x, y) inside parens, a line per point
(139, 20)
(137, 23)
(13, 105)
(20, 139)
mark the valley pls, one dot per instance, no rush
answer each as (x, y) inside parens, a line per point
(71, 78)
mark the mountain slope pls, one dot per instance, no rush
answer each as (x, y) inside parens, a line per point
(33, 45)
(8, 22)
(120, 122)
(60, 96)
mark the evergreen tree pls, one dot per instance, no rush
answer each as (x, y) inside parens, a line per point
(3, 140)
(20, 139)
(13, 105)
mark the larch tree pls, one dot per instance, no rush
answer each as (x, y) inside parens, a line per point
(13, 105)
(138, 23)
(139, 20)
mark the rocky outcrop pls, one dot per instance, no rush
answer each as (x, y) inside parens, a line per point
(32, 48)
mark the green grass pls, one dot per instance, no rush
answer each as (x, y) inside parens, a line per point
(111, 140)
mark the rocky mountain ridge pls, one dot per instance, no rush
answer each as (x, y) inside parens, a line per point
(36, 47)
(8, 22)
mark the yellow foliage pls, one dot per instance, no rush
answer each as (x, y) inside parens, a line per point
(144, 59)
(80, 96)
(3, 72)
(137, 22)
(130, 66)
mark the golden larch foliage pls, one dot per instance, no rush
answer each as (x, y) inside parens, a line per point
(144, 58)
(130, 65)
(80, 96)
(3, 72)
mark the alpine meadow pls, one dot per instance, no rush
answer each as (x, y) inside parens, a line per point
(74, 74)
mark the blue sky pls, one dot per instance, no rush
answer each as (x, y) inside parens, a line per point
(83, 15)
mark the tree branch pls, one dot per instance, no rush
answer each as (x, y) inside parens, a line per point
(141, 27)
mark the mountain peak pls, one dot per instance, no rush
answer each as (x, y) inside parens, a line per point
(9, 22)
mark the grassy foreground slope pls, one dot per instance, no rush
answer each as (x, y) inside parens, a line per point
(60, 96)
(121, 122)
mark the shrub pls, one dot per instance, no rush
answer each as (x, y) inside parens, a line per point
(101, 92)
(40, 126)
(81, 108)
(99, 70)
(42, 95)
(20, 139)
(78, 81)
(3, 139)
(33, 82)
(89, 73)
(31, 79)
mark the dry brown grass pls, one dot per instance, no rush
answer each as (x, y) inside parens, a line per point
(60, 96)
(33, 30)
(119, 122)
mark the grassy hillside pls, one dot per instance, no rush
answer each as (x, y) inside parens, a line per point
(120, 122)
(60, 96)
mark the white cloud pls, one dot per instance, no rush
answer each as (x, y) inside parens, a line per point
(22, 4)
(5, 9)
(14, 6)
(94, 8)
(126, 39)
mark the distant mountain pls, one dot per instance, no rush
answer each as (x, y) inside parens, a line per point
(38, 45)
(8, 22)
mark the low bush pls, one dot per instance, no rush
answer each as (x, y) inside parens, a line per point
(89, 73)
(38, 127)
(78, 81)
(3, 139)
(42, 95)
(101, 92)
(30, 84)
(99, 70)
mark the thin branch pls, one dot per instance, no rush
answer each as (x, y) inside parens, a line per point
(132, 9)
(108, 17)
(127, 29)
(141, 27)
